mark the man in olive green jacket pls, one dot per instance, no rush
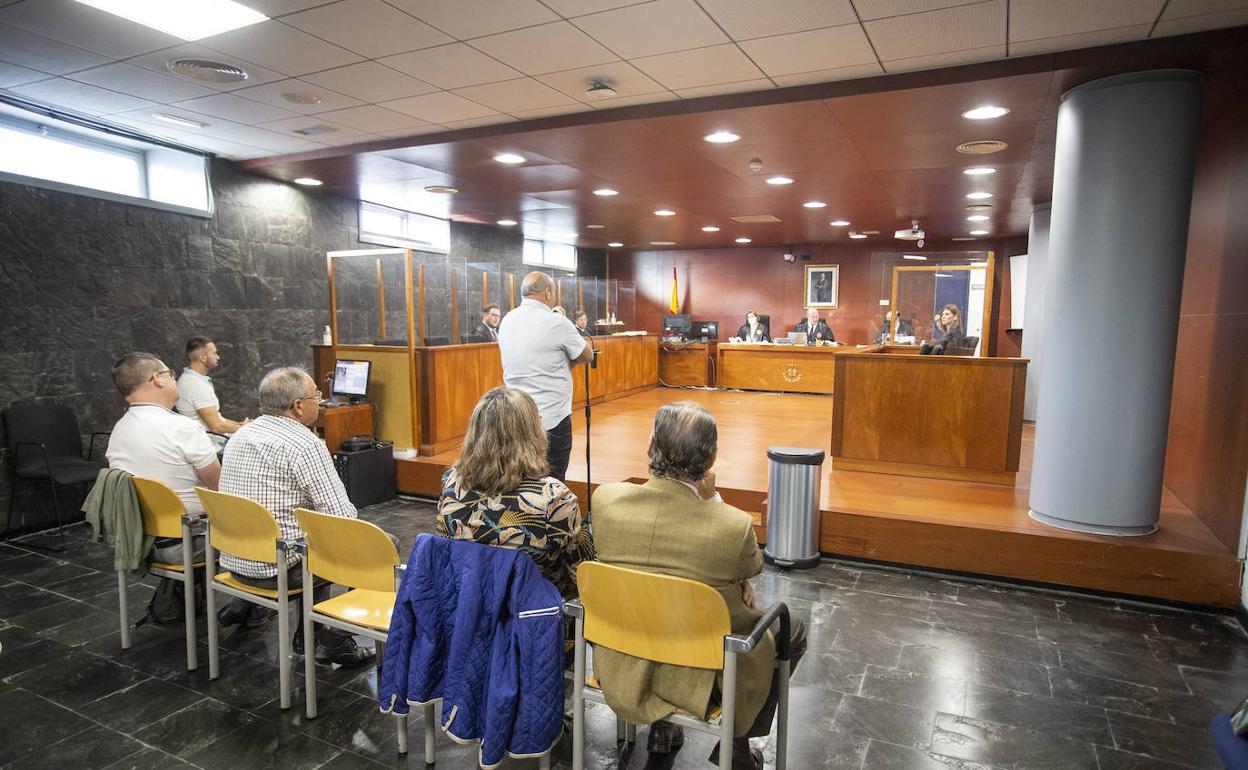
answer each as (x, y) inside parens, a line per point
(677, 524)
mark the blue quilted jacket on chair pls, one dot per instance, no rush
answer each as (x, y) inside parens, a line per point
(481, 629)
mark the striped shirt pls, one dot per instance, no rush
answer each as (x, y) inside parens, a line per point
(282, 465)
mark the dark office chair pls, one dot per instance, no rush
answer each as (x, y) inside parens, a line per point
(45, 444)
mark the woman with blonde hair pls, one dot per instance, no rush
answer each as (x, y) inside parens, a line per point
(499, 492)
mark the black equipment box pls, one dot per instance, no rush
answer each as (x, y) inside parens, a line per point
(368, 474)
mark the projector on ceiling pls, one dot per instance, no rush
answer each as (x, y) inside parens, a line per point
(911, 234)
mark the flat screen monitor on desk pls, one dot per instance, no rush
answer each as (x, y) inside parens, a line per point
(677, 325)
(351, 379)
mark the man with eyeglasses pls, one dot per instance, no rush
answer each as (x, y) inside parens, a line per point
(153, 441)
(277, 461)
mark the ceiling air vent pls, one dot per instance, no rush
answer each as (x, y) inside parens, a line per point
(754, 219)
(316, 130)
(206, 70)
(442, 189)
(986, 147)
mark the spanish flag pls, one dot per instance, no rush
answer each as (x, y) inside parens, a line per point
(675, 293)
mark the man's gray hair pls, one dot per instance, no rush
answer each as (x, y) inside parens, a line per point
(535, 283)
(134, 369)
(280, 388)
(684, 441)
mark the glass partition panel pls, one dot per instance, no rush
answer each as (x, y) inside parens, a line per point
(356, 298)
(441, 305)
(923, 293)
(394, 298)
(883, 267)
(626, 305)
(479, 284)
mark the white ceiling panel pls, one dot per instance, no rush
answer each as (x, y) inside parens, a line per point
(1186, 24)
(626, 79)
(628, 101)
(1176, 9)
(761, 84)
(466, 19)
(452, 66)
(340, 135)
(85, 27)
(959, 28)
(546, 48)
(373, 119)
(285, 49)
(951, 59)
(661, 26)
(879, 9)
(145, 116)
(272, 8)
(235, 108)
(1081, 40)
(830, 48)
(264, 139)
(13, 75)
(129, 79)
(370, 82)
(271, 94)
(439, 108)
(474, 122)
(516, 95)
(1036, 19)
(428, 128)
(570, 8)
(367, 27)
(157, 61)
(828, 76)
(17, 46)
(543, 112)
(701, 67)
(81, 97)
(746, 19)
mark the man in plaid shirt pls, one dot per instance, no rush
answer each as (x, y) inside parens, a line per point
(277, 461)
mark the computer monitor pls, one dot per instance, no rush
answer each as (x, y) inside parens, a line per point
(705, 330)
(351, 379)
(676, 325)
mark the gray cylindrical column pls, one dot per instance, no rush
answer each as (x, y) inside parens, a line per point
(1033, 308)
(1122, 189)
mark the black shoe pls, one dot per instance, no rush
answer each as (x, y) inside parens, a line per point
(259, 617)
(347, 654)
(662, 743)
(739, 761)
(234, 613)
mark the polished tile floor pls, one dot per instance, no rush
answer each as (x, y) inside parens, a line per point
(904, 670)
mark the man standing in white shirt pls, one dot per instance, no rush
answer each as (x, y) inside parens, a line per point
(150, 440)
(539, 348)
(197, 398)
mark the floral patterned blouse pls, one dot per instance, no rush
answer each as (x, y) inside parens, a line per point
(540, 518)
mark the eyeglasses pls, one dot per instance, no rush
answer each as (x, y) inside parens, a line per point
(158, 375)
(317, 395)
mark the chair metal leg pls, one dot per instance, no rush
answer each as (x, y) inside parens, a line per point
(431, 720)
(60, 525)
(728, 711)
(283, 634)
(630, 732)
(782, 719)
(309, 648)
(400, 722)
(123, 608)
(578, 698)
(188, 596)
(544, 762)
(210, 606)
(621, 730)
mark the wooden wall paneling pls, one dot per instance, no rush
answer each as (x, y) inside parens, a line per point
(777, 368)
(687, 365)
(322, 364)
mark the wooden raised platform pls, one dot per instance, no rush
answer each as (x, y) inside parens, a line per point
(953, 525)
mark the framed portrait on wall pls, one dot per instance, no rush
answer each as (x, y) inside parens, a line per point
(823, 285)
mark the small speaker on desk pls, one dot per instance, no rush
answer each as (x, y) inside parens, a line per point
(367, 473)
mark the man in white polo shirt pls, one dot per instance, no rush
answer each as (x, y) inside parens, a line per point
(197, 398)
(539, 348)
(152, 441)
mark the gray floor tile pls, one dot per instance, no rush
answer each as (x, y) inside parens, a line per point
(1037, 713)
(1005, 746)
(1163, 740)
(30, 723)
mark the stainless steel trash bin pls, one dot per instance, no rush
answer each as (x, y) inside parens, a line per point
(794, 476)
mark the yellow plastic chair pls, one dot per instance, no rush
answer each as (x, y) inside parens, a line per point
(247, 530)
(360, 557)
(164, 515)
(671, 620)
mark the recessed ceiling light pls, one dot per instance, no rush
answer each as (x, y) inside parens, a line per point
(914, 256)
(778, 180)
(979, 196)
(839, 223)
(595, 227)
(721, 137)
(301, 97)
(187, 19)
(979, 232)
(509, 158)
(507, 222)
(978, 218)
(710, 229)
(857, 236)
(743, 240)
(979, 171)
(814, 204)
(662, 243)
(987, 112)
(308, 181)
(441, 189)
(175, 120)
(615, 244)
(606, 192)
(665, 213)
